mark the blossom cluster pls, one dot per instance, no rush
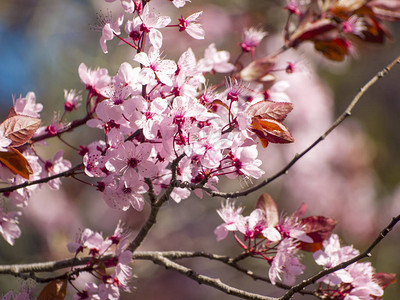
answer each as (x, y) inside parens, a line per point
(97, 248)
(279, 240)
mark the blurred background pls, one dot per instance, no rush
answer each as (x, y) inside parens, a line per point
(353, 176)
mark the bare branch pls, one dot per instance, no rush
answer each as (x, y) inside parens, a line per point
(213, 282)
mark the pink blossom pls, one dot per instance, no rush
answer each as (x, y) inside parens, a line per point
(244, 162)
(155, 66)
(55, 166)
(179, 3)
(251, 39)
(123, 272)
(354, 25)
(151, 23)
(191, 26)
(130, 159)
(332, 255)
(285, 265)
(95, 80)
(9, 228)
(108, 28)
(72, 100)
(231, 217)
(125, 193)
(103, 291)
(150, 118)
(27, 106)
(293, 6)
(215, 61)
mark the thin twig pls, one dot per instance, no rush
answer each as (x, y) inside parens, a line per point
(67, 173)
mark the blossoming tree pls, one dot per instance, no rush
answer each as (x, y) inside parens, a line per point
(168, 133)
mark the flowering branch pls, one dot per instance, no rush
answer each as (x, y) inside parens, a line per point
(366, 253)
(284, 171)
(164, 258)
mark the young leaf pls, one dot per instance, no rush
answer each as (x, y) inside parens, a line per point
(270, 109)
(16, 162)
(270, 130)
(19, 129)
(258, 70)
(335, 49)
(319, 229)
(270, 209)
(55, 290)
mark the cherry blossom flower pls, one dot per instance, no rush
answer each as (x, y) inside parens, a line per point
(215, 61)
(109, 31)
(332, 255)
(191, 26)
(102, 291)
(9, 228)
(125, 193)
(354, 25)
(244, 162)
(151, 22)
(231, 217)
(27, 106)
(72, 100)
(251, 39)
(95, 80)
(293, 6)
(130, 159)
(55, 166)
(155, 66)
(179, 3)
(285, 265)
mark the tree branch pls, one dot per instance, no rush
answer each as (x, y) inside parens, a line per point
(202, 279)
(67, 173)
(155, 207)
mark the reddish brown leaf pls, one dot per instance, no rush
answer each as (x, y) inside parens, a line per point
(16, 162)
(271, 130)
(311, 30)
(19, 129)
(310, 247)
(319, 229)
(55, 290)
(269, 109)
(335, 49)
(384, 279)
(259, 69)
(269, 208)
